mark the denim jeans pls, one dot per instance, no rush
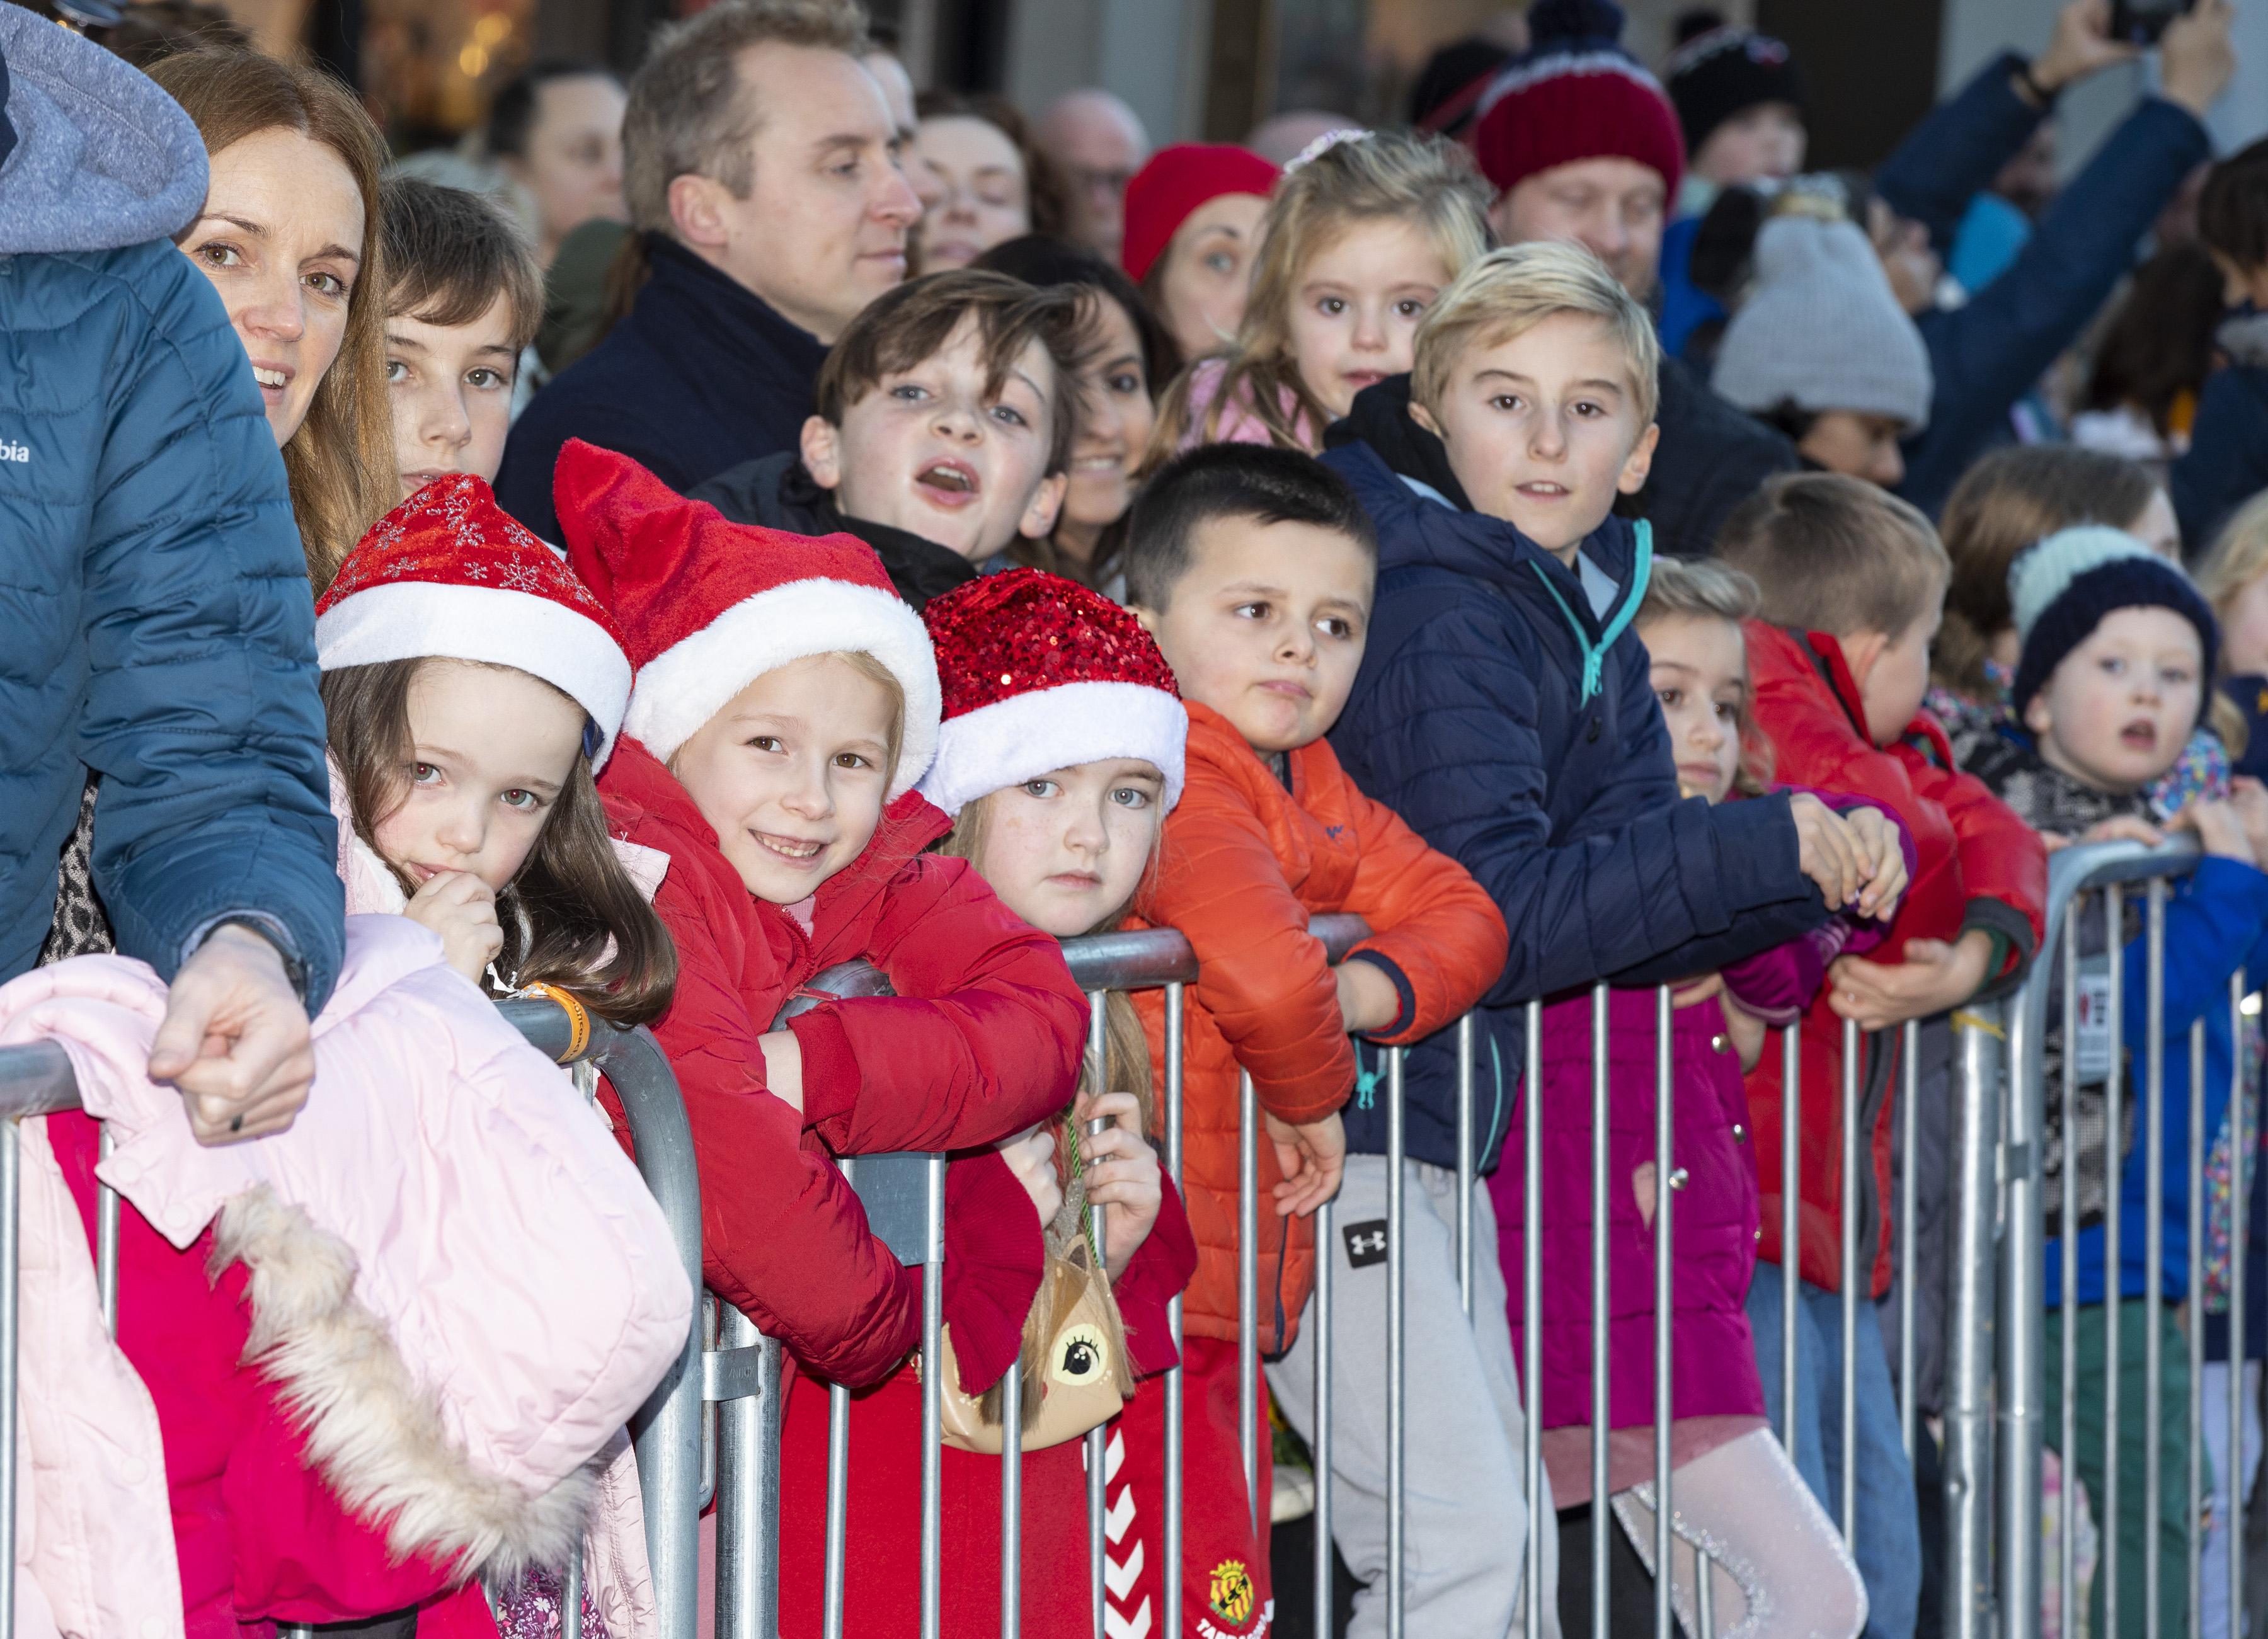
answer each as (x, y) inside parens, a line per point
(1886, 1534)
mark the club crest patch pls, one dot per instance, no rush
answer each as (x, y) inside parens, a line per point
(1231, 1592)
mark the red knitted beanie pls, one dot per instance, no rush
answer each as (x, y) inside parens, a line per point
(1174, 183)
(1576, 95)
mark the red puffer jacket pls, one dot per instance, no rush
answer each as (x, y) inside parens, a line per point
(1976, 866)
(1244, 866)
(982, 1039)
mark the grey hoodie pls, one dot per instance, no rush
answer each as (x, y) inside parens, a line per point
(93, 155)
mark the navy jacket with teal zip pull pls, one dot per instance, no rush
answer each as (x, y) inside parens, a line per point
(1470, 718)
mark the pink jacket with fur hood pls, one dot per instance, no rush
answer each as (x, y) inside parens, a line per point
(455, 1288)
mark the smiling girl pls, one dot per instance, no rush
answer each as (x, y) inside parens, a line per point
(1357, 241)
(289, 237)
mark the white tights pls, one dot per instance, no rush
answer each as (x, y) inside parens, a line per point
(1779, 1569)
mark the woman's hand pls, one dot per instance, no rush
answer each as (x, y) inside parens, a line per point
(1826, 850)
(1031, 1157)
(461, 909)
(1882, 859)
(1311, 1157)
(234, 1040)
(1122, 1173)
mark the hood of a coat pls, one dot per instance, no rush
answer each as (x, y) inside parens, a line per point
(100, 158)
(1421, 525)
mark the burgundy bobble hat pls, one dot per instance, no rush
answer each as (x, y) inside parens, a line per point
(1576, 95)
(1039, 674)
(1175, 182)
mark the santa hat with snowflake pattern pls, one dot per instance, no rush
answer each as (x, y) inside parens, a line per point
(1040, 674)
(447, 575)
(709, 605)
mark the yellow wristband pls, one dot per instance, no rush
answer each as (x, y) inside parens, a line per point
(578, 1019)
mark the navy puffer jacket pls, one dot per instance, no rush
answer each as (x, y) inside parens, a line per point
(1468, 719)
(159, 629)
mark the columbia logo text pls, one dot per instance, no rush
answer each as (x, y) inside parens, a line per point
(10, 451)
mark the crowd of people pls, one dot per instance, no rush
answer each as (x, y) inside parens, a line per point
(763, 516)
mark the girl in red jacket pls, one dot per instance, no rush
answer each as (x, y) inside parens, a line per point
(1060, 753)
(785, 703)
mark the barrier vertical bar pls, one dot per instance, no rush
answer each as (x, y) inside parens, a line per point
(1602, 1515)
(2240, 1145)
(1465, 1164)
(1908, 1202)
(747, 1525)
(1848, 1424)
(105, 1241)
(1248, 1289)
(2193, 1292)
(1396, 1478)
(2067, 1246)
(838, 1478)
(2153, 1251)
(1319, 1447)
(12, 1183)
(1012, 1502)
(1531, 1313)
(570, 1599)
(1098, 1475)
(932, 1386)
(1972, 1335)
(1172, 1579)
(1665, 1191)
(2114, 1214)
(1791, 1199)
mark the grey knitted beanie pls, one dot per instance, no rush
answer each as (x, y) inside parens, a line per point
(1822, 331)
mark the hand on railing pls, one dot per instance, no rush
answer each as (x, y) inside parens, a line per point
(1122, 1173)
(234, 1040)
(1932, 978)
(1311, 1156)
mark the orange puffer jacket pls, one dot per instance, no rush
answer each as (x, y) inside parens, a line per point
(1245, 863)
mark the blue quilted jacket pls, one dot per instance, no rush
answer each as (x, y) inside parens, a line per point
(156, 623)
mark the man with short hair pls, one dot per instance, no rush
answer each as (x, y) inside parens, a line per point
(1581, 144)
(761, 167)
(1098, 143)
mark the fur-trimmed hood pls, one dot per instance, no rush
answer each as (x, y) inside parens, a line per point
(456, 1277)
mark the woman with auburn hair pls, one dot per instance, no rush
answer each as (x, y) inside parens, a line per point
(289, 235)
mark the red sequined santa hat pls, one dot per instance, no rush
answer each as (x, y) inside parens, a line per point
(1040, 674)
(708, 606)
(448, 575)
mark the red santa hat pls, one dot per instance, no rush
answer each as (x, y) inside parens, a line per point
(708, 606)
(1040, 674)
(447, 575)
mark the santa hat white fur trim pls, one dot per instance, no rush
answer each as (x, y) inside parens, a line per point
(1026, 735)
(531, 633)
(691, 682)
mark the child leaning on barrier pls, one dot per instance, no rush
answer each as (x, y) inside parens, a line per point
(471, 688)
(1851, 583)
(2116, 672)
(947, 414)
(1059, 756)
(1253, 569)
(1780, 1566)
(785, 704)
(464, 298)
(1504, 708)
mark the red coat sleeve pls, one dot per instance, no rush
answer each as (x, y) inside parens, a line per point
(1439, 930)
(1265, 982)
(982, 1039)
(782, 1237)
(2002, 859)
(1160, 1268)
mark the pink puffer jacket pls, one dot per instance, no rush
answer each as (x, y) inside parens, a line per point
(455, 1278)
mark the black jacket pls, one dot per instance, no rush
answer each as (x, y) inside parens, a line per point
(778, 492)
(1713, 456)
(701, 376)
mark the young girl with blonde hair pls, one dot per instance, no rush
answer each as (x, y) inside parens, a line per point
(1358, 239)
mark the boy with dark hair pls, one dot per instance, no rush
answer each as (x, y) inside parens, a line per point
(1853, 586)
(2226, 461)
(945, 417)
(1252, 567)
(463, 300)
(1505, 707)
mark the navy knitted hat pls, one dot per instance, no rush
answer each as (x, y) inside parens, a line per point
(1716, 76)
(2061, 589)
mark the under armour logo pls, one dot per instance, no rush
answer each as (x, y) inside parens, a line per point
(14, 451)
(1366, 1243)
